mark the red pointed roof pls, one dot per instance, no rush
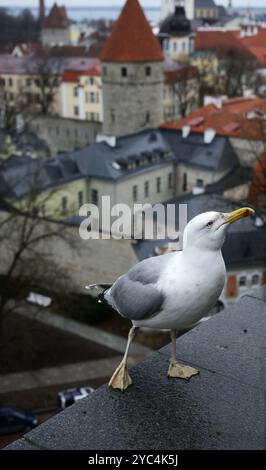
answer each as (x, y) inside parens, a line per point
(57, 18)
(132, 39)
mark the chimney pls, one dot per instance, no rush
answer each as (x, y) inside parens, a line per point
(41, 10)
(185, 131)
(209, 135)
(110, 140)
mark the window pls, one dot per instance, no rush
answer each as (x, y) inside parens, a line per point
(242, 281)
(76, 110)
(255, 279)
(170, 180)
(92, 97)
(64, 205)
(104, 70)
(94, 197)
(175, 46)
(184, 182)
(148, 71)
(92, 116)
(28, 82)
(123, 72)
(146, 188)
(37, 82)
(147, 117)
(200, 183)
(11, 96)
(81, 198)
(135, 193)
(91, 80)
(158, 184)
(10, 82)
(87, 97)
(112, 117)
(76, 91)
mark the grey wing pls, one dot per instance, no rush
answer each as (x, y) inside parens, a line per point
(135, 295)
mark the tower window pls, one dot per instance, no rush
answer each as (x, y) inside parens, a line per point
(124, 72)
(148, 71)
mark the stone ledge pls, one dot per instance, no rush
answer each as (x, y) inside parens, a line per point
(222, 408)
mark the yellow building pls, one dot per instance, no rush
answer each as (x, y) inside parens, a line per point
(208, 65)
(81, 94)
(30, 85)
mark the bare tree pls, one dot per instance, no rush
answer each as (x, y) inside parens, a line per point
(184, 86)
(26, 237)
(237, 72)
(47, 80)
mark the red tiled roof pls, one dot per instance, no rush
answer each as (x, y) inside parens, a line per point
(257, 191)
(72, 76)
(132, 39)
(219, 41)
(57, 18)
(230, 120)
(184, 73)
(257, 45)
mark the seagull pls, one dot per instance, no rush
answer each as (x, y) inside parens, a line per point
(175, 290)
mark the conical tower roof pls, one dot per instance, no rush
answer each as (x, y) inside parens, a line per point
(132, 39)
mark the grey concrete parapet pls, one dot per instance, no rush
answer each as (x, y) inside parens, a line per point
(221, 408)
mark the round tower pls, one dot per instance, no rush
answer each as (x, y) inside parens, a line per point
(132, 73)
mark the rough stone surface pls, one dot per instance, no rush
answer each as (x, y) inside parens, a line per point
(222, 408)
(125, 97)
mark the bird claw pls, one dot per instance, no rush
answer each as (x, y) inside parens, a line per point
(180, 371)
(120, 379)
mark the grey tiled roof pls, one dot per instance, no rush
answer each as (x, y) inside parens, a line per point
(145, 150)
(205, 4)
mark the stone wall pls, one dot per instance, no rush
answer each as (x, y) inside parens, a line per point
(132, 102)
(83, 261)
(65, 134)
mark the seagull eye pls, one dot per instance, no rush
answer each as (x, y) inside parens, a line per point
(209, 224)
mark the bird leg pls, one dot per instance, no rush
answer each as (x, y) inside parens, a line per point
(178, 370)
(121, 378)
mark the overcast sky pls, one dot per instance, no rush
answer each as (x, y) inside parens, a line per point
(85, 3)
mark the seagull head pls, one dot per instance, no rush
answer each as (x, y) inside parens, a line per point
(207, 231)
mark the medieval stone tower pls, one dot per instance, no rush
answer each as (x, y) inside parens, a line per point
(132, 75)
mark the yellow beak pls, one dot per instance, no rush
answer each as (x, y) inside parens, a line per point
(238, 214)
